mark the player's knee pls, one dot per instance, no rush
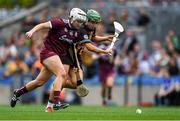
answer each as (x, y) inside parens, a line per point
(63, 74)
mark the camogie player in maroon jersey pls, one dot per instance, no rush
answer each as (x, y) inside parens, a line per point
(54, 54)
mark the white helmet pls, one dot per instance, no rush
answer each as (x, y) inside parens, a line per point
(77, 14)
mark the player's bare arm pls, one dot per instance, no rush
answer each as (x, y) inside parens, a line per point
(103, 38)
(38, 27)
(95, 49)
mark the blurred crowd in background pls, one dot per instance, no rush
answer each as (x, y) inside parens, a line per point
(139, 51)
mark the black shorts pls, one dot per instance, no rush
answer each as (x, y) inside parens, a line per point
(67, 60)
(73, 60)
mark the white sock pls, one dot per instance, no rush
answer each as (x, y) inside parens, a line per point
(49, 104)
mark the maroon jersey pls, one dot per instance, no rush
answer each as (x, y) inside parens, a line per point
(106, 65)
(58, 40)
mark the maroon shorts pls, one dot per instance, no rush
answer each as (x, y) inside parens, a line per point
(45, 53)
(103, 75)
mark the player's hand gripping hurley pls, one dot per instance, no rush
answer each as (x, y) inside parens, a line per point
(118, 29)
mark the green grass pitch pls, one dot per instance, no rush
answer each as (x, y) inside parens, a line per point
(36, 112)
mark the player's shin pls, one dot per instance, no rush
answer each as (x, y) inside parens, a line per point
(57, 104)
(28, 87)
(58, 82)
(109, 93)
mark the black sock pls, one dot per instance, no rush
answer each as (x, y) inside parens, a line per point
(56, 97)
(21, 91)
(109, 93)
(103, 94)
